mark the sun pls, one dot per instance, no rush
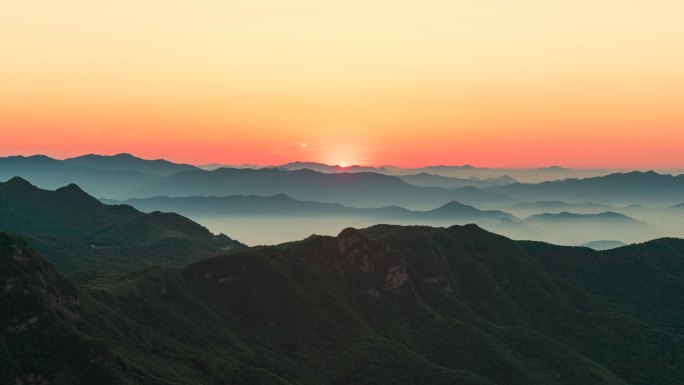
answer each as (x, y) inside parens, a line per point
(342, 156)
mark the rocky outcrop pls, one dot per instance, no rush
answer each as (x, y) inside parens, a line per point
(373, 261)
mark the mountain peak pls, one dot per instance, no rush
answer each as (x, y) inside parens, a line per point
(348, 238)
(349, 233)
(125, 155)
(18, 181)
(505, 178)
(636, 174)
(553, 168)
(73, 188)
(452, 205)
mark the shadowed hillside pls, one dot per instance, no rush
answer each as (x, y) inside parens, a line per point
(76, 231)
(384, 305)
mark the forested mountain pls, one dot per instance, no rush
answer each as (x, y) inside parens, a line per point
(383, 305)
(76, 231)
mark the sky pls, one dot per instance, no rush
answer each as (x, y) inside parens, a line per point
(526, 83)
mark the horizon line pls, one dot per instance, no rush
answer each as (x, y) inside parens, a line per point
(375, 166)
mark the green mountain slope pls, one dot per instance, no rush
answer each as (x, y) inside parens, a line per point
(384, 305)
(76, 231)
(40, 340)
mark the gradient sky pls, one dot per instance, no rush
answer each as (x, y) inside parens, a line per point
(582, 83)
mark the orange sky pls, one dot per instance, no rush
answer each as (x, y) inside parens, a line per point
(581, 83)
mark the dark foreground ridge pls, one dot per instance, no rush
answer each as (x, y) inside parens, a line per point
(384, 305)
(75, 231)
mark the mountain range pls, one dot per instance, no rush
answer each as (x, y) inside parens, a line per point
(575, 229)
(128, 162)
(360, 189)
(646, 196)
(620, 188)
(118, 292)
(125, 176)
(76, 231)
(263, 215)
(281, 204)
(430, 180)
(530, 175)
(382, 305)
(51, 173)
(555, 207)
(322, 167)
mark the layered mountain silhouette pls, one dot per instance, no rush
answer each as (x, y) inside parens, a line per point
(581, 228)
(281, 204)
(258, 220)
(556, 207)
(360, 189)
(128, 162)
(322, 167)
(621, 188)
(231, 213)
(76, 231)
(462, 172)
(605, 218)
(117, 176)
(429, 180)
(648, 197)
(383, 305)
(668, 214)
(125, 176)
(51, 173)
(533, 175)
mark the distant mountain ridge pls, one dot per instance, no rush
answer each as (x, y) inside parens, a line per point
(607, 216)
(118, 176)
(583, 228)
(426, 180)
(51, 173)
(322, 167)
(128, 162)
(620, 188)
(225, 214)
(556, 205)
(362, 189)
(281, 204)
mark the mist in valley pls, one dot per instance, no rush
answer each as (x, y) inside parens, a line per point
(269, 205)
(269, 230)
